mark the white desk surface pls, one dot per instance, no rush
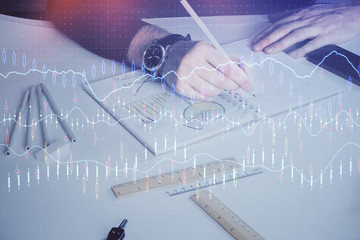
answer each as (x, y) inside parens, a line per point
(58, 209)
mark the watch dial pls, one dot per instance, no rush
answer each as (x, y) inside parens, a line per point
(153, 56)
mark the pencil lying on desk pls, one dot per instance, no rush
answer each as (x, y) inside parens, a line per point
(70, 134)
(30, 118)
(18, 119)
(42, 116)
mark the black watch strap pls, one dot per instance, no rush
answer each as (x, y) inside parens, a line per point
(171, 39)
(168, 41)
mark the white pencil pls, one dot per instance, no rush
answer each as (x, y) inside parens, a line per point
(30, 118)
(42, 116)
(208, 34)
(18, 119)
(56, 111)
(201, 24)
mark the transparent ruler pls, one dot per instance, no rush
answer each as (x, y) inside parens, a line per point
(224, 171)
(226, 218)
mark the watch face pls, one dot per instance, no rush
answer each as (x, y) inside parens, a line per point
(153, 57)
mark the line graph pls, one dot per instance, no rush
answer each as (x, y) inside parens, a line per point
(347, 117)
(211, 157)
(245, 131)
(147, 75)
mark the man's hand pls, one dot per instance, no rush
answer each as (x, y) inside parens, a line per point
(203, 71)
(323, 23)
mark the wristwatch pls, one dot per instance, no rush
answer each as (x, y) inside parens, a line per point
(155, 55)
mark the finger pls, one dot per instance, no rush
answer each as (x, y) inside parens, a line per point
(295, 16)
(232, 73)
(240, 74)
(293, 37)
(221, 62)
(241, 63)
(221, 78)
(316, 43)
(261, 35)
(250, 84)
(275, 25)
(247, 83)
(316, 10)
(211, 91)
(204, 52)
(190, 92)
(277, 34)
(204, 87)
(298, 15)
(211, 76)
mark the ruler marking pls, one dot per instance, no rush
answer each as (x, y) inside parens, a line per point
(225, 217)
(130, 188)
(255, 172)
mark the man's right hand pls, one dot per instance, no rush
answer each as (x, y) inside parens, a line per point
(203, 71)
